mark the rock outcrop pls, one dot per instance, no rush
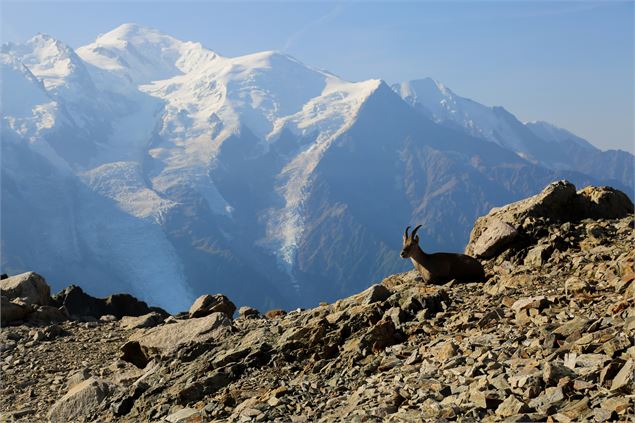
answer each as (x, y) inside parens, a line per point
(504, 227)
(80, 305)
(549, 337)
(27, 298)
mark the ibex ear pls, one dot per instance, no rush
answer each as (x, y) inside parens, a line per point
(416, 239)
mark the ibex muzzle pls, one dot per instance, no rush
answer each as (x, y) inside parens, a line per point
(440, 267)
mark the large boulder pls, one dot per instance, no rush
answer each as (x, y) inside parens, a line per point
(81, 401)
(30, 287)
(603, 203)
(494, 239)
(208, 304)
(145, 344)
(77, 303)
(558, 202)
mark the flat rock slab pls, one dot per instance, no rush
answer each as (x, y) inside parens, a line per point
(146, 321)
(168, 338)
(80, 401)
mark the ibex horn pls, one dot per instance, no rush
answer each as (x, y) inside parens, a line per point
(414, 232)
(406, 233)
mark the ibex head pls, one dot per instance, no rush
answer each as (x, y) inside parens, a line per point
(410, 243)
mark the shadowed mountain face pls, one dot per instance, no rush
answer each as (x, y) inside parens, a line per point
(149, 165)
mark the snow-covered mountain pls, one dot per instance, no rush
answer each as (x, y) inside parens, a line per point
(539, 142)
(152, 165)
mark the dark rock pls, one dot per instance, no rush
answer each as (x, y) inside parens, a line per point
(77, 304)
(11, 312)
(133, 353)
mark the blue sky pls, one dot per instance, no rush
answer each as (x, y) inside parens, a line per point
(570, 63)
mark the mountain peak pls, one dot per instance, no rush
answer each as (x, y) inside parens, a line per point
(132, 32)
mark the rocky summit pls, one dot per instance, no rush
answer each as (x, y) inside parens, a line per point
(548, 337)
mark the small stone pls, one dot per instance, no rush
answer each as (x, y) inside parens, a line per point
(577, 324)
(538, 302)
(185, 415)
(538, 255)
(375, 293)
(616, 345)
(444, 350)
(573, 411)
(511, 406)
(397, 315)
(575, 284)
(617, 404)
(275, 313)
(246, 311)
(624, 377)
(609, 372)
(549, 400)
(78, 377)
(595, 361)
(488, 400)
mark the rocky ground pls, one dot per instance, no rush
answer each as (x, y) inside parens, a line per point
(549, 337)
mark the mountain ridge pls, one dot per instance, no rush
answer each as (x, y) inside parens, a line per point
(227, 166)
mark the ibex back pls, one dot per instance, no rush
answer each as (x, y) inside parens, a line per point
(440, 267)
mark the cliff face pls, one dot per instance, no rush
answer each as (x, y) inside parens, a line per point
(549, 335)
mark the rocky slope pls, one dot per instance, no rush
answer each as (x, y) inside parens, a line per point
(550, 336)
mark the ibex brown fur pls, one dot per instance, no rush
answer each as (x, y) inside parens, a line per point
(440, 267)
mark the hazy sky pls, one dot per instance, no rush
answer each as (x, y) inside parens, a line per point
(569, 63)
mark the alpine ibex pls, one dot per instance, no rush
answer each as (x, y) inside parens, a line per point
(440, 267)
